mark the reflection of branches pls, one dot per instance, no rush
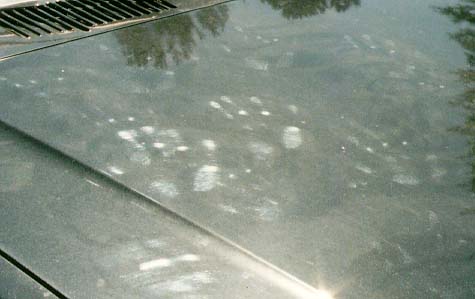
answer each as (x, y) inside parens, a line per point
(461, 12)
(171, 40)
(297, 9)
(214, 19)
(466, 38)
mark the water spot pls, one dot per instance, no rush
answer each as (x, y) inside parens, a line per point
(209, 144)
(187, 283)
(352, 185)
(292, 137)
(60, 78)
(256, 64)
(350, 40)
(170, 73)
(238, 28)
(404, 179)
(259, 37)
(127, 134)
(182, 148)
(41, 94)
(353, 140)
(229, 116)
(431, 157)
(364, 169)
(260, 150)
(243, 112)
(93, 183)
(33, 82)
(228, 209)
(100, 283)
(265, 113)
(215, 105)
(275, 40)
(268, 211)
(226, 99)
(115, 170)
(406, 258)
(111, 120)
(285, 60)
(202, 277)
(158, 263)
(255, 100)
(232, 176)
(370, 150)
(433, 219)
(390, 159)
(18, 85)
(206, 178)
(437, 173)
(158, 145)
(293, 109)
(404, 143)
(395, 75)
(188, 258)
(441, 86)
(3, 78)
(165, 188)
(172, 133)
(154, 243)
(141, 157)
(147, 129)
(178, 286)
(392, 51)
(385, 144)
(248, 170)
(130, 118)
(226, 48)
(390, 43)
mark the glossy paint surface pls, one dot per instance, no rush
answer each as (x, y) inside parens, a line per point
(332, 139)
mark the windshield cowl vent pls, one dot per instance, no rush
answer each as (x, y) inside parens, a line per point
(76, 15)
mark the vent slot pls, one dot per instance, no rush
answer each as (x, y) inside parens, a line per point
(76, 15)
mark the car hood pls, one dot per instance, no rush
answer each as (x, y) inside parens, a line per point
(319, 140)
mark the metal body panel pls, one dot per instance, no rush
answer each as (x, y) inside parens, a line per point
(89, 237)
(320, 138)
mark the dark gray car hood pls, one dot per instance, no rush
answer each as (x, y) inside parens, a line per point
(323, 141)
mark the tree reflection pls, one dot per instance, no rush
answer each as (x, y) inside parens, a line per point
(463, 13)
(170, 41)
(297, 9)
